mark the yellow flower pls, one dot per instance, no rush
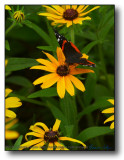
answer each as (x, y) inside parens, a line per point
(110, 110)
(10, 134)
(8, 7)
(51, 137)
(67, 14)
(11, 102)
(19, 16)
(60, 73)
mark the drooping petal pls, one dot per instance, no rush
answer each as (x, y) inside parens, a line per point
(7, 92)
(69, 86)
(11, 135)
(48, 83)
(38, 146)
(60, 55)
(111, 118)
(29, 143)
(108, 110)
(37, 129)
(56, 125)
(42, 125)
(58, 8)
(44, 78)
(84, 8)
(80, 8)
(111, 101)
(38, 135)
(83, 14)
(61, 87)
(78, 84)
(50, 146)
(51, 10)
(80, 20)
(59, 146)
(10, 114)
(50, 15)
(8, 7)
(12, 102)
(112, 125)
(45, 68)
(71, 139)
(75, 71)
(11, 123)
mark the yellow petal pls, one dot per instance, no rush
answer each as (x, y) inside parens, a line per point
(7, 92)
(10, 114)
(44, 78)
(82, 14)
(78, 84)
(38, 146)
(6, 62)
(11, 135)
(61, 87)
(59, 146)
(42, 125)
(84, 8)
(80, 20)
(80, 71)
(50, 146)
(85, 56)
(111, 118)
(7, 7)
(69, 86)
(69, 23)
(46, 63)
(37, 129)
(60, 55)
(29, 143)
(71, 139)
(38, 135)
(11, 123)
(52, 59)
(80, 8)
(111, 101)
(12, 102)
(58, 8)
(112, 125)
(67, 7)
(74, 7)
(51, 10)
(49, 69)
(50, 82)
(51, 15)
(108, 110)
(56, 125)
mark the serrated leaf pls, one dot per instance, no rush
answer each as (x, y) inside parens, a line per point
(93, 132)
(15, 64)
(17, 143)
(49, 92)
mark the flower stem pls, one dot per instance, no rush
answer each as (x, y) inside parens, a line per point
(72, 34)
(10, 28)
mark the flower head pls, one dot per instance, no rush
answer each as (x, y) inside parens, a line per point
(10, 134)
(60, 73)
(11, 102)
(46, 136)
(110, 110)
(67, 14)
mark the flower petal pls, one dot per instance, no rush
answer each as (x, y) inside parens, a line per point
(84, 8)
(38, 146)
(67, 7)
(37, 129)
(44, 78)
(7, 92)
(71, 139)
(78, 84)
(58, 8)
(111, 118)
(49, 69)
(60, 55)
(74, 7)
(8, 7)
(51, 10)
(61, 87)
(48, 83)
(38, 135)
(42, 125)
(11, 135)
(50, 15)
(12, 102)
(56, 125)
(10, 114)
(108, 110)
(29, 143)
(96, 7)
(11, 123)
(111, 101)
(69, 23)
(80, 8)
(69, 86)
(75, 71)
(46, 63)
(50, 146)
(80, 20)
(112, 125)
(59, 146)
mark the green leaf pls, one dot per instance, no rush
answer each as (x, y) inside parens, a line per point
(93, 132)
(49, 92)
(39, 30)
(7, 45)
(15, 64)
(69, 130)
(47, 48)
(89, 47)
(20, 80)
(17, 143)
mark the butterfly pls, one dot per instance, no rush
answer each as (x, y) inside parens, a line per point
(71, 52)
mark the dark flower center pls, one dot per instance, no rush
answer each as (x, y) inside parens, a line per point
(70, 14)
(51, 136)
(62, 70)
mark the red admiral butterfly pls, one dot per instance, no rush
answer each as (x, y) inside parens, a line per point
(71, 52)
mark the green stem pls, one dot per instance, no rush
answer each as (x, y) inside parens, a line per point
(72, 34)
(10, 28)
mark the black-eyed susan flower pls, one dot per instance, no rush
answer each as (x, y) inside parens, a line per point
(46, 136)
(11, 102)
(17, 16)
(60, 73)
(9, 133)
(110, 111)
(67, 14)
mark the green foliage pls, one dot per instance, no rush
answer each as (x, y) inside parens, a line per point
(17, 143)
